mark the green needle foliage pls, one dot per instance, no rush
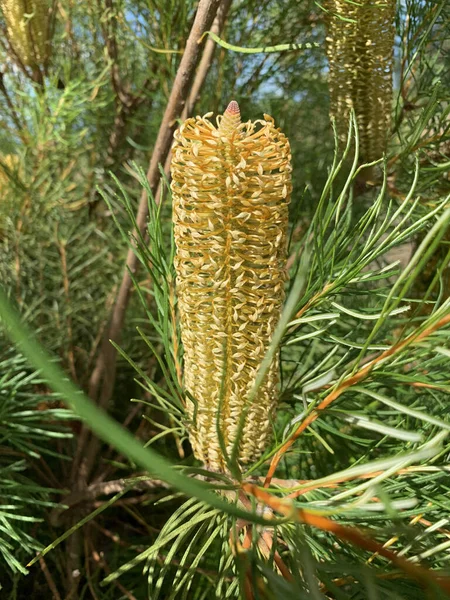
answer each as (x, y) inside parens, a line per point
(350, 497)
(28, 429)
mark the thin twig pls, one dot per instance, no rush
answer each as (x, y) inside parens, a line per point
(99, 558)
(267, 543)
(346, 383)
(49, 579)
(87, 540)
(348, 534)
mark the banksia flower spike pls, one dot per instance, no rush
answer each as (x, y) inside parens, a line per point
(231, 186)
(360, 44)
(28, 29)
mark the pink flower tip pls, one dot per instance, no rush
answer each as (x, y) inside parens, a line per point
(233, 108)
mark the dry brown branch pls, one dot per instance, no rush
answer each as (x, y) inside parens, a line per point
(206, 60)
(109, 22)
(73, 565)
(87, 561)
(126, 103)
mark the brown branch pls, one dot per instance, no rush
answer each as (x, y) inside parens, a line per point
(107, 358)
(95, 490)
(102, 379)
(266, 547)
(73, 564)
(87, 564)
(206, 60)
(124, 113)
(49, 579)
(109, 35)
(126, 103)
(67, 17)
(109, 303)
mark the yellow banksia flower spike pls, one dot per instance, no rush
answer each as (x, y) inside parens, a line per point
(231, 186)
(28, 29)
(360, 43)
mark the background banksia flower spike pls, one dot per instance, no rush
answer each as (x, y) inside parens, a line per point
(28, 26)
(231, 186)
(360, 42)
